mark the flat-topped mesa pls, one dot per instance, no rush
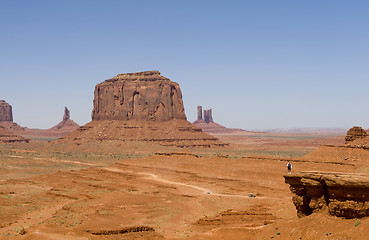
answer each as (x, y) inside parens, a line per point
(6, 113)
(138, 76)
(142, 96)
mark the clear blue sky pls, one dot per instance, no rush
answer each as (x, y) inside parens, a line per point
(258, 64)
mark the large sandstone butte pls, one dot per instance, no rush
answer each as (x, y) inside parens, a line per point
(140, 107)
(342, 194)
(142, 95)
(6, 113)
(6, 118)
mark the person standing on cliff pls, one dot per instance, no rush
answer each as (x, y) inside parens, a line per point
(289, 168)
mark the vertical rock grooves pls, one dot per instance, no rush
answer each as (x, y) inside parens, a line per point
(141, 107)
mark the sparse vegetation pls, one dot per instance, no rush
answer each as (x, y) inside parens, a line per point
(357, 223)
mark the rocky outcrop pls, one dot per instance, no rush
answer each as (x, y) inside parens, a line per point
(6, 119)
(6, 113)
(66, 126)
(66, 115)
(355, 133)
(142, 107)
(208, 115)
(143, 96)
(208, 125)
(341, 194)
(199, 113)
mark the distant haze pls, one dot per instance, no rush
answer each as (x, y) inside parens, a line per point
(258, 64)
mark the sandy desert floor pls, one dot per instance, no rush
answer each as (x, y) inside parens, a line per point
(46, 193)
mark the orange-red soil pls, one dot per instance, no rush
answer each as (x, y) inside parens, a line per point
(59, 191)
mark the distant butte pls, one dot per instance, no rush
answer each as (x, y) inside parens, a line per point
(141, 96)
(208, 125)
(7, 126)
(6, 113)
(67, 125)
(142, 107)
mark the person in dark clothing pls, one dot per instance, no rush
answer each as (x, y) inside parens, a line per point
(289, 168)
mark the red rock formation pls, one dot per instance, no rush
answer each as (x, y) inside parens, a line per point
(199, 113)
(140, 107)
(355, 133)
(6, 113)
(343, 195)
(66, 126)
(208, 125)
(66, 115)
(208, 115)
(9, 137)
(6, 118)
(142, 95)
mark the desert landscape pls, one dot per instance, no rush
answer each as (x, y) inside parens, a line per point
(140, 170)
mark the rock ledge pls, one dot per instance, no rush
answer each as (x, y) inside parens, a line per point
(342, 194)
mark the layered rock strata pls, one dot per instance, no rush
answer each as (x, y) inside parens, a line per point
(143, 96)
(140, 107)
(355, 133)
(341, 194)
(6, 113)
(9, 137)
(6, 118)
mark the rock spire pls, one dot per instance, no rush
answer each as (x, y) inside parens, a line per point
(66, 114)
(199, 113)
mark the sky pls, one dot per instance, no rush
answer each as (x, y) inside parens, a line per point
(258, 64)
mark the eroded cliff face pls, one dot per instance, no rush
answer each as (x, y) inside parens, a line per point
(142, 96)
(355, 133)
(341, 194)
(6, 113)
(143, 109)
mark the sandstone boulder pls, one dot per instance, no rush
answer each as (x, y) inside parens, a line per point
(341, 194)
(6, 113)
(355, 133)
